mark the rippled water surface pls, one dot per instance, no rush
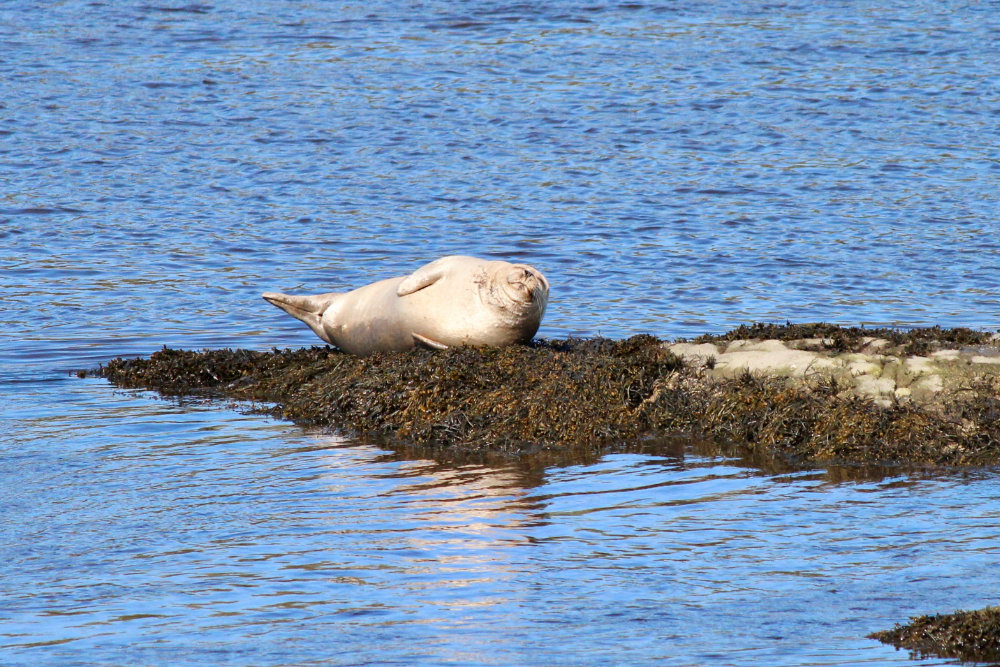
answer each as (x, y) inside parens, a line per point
(673, 168)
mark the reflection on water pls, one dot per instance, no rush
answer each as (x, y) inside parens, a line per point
(145, 530)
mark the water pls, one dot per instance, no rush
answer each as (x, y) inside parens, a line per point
(673, 169)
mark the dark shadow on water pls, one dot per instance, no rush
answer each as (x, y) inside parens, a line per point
(834, 473)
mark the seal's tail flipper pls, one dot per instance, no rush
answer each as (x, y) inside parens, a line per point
(309, 309)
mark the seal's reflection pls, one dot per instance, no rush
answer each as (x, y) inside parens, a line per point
(447, 535)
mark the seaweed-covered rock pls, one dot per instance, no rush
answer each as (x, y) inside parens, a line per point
(574, 393)
(966, 635)
(580, 396)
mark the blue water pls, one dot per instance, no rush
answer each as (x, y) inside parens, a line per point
(674, 169)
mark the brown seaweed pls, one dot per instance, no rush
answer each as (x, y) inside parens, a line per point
(966, 635)
(576, 396)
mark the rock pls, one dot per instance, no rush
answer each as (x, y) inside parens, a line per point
(875, 367)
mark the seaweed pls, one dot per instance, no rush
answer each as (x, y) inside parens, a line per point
(578, 397)
(966, 635)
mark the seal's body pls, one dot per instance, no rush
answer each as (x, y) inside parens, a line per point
(452, 301)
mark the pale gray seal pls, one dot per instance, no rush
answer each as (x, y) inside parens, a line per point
(452, 301)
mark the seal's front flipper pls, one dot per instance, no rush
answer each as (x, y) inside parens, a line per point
(309, 309)
(429, 343)
(426, 275)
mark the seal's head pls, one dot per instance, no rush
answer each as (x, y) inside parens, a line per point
(526, 285)
(519, 293)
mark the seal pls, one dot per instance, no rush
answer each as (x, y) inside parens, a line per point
(452, 301)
